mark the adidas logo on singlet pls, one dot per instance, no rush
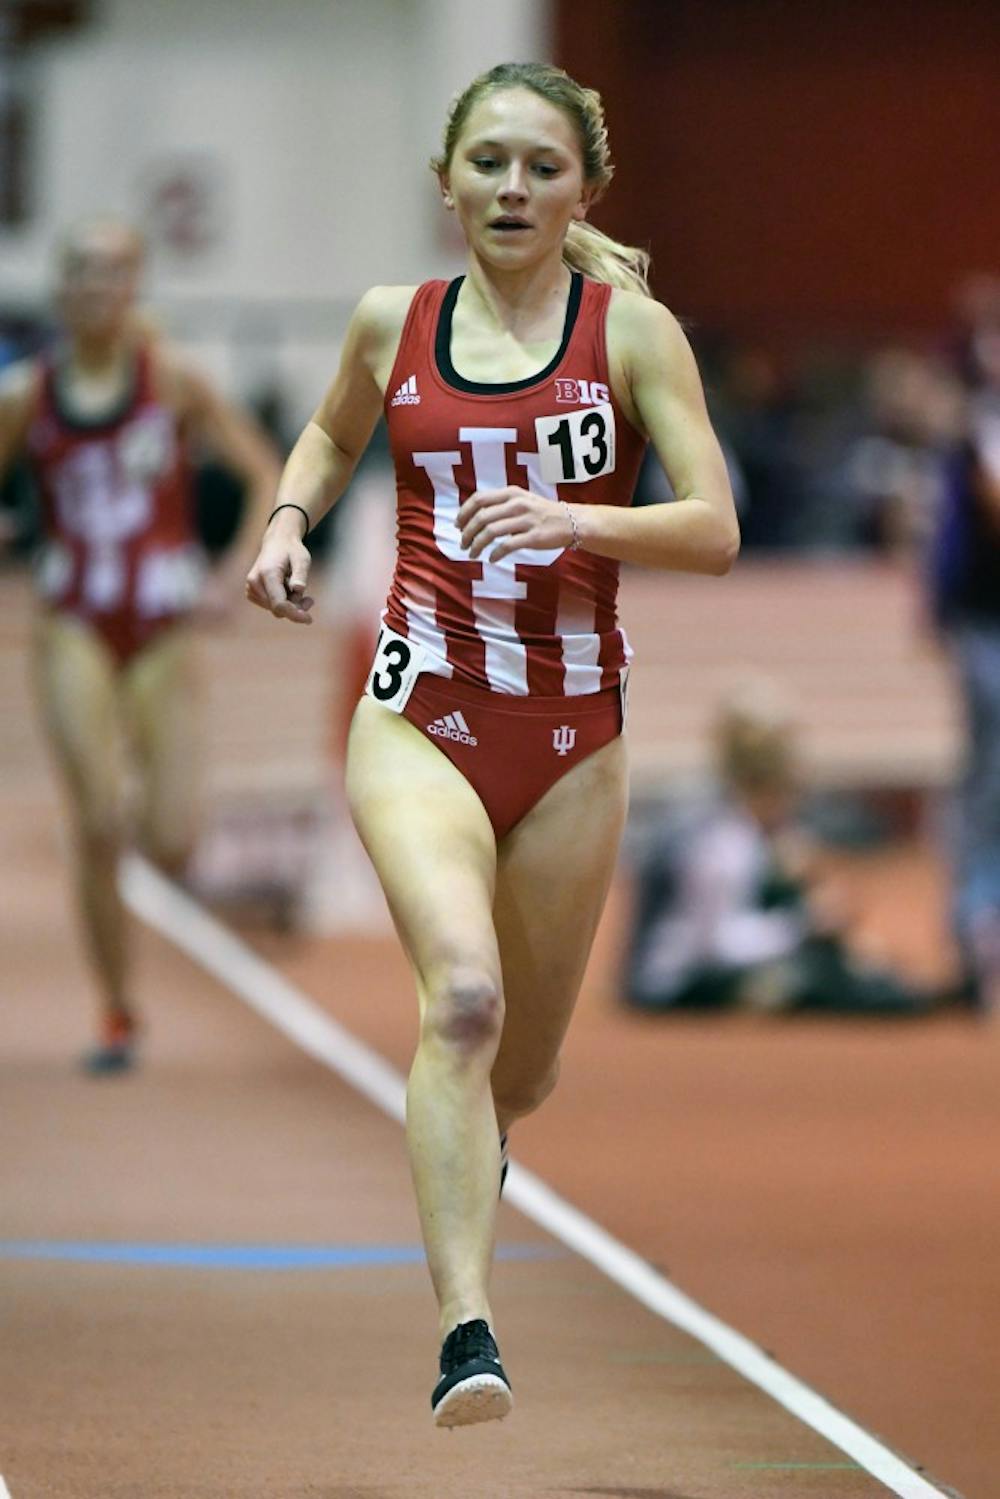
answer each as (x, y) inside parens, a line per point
(407, 394)
(452, 726)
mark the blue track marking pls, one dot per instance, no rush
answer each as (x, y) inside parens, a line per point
(244, 1256)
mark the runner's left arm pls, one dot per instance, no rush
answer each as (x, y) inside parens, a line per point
(656, 381)
(698, 531)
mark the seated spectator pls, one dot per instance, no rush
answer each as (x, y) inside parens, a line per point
(732, 904)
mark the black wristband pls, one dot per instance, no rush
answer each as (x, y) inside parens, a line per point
(289, 506)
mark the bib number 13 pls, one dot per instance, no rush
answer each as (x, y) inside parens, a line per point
(578, 446)
(398, 662)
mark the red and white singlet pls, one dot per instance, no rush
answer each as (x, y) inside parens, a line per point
(120, 549)
(538, 623)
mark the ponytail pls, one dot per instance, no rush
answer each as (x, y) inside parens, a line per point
(602, 258)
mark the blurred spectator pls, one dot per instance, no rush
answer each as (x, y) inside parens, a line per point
(653, 486)
(753, 406)
(21, 335)
(965, 577)
(897, 470)
(733, 906)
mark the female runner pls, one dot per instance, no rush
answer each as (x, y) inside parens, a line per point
(104, 422)
(486, 768)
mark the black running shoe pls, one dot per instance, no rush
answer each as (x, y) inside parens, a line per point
(504, 1162)
(473, 1386)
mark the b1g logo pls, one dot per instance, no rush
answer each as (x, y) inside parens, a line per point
(582, 392)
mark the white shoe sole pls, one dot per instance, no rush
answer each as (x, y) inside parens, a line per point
(483, 1397)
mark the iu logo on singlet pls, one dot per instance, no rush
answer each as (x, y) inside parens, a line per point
(570, 447)
(563, 739)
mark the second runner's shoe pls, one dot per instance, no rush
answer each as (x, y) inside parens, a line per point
(115, 1049)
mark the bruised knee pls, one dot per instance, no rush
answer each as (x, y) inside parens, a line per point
(464, 1011)
(516, 1097)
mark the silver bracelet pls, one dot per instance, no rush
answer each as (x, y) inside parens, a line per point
(574, 545)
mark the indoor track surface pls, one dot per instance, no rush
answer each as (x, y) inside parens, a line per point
(210, 1274)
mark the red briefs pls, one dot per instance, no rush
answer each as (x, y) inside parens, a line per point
(512, 749)
(125, 633)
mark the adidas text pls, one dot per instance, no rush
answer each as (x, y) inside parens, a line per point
(452, 726)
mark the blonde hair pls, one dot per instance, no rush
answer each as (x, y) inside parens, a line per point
(585, 248)
(756, 736)
(125, 238)
(119, 238)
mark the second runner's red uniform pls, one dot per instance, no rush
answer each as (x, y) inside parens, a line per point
(117, 508)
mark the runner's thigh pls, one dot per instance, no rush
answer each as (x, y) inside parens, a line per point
(430, 840)
(162, 704)
(554, 870)
(76, 679)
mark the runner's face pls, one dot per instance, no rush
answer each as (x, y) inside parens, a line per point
(516, 178)
(99, 274)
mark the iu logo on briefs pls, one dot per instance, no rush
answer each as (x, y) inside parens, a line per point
(563, 739)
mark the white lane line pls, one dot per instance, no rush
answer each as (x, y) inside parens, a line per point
(179, 918)
(190, 927)
(4, 1490)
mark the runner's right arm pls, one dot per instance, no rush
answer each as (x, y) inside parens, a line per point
(324, 458)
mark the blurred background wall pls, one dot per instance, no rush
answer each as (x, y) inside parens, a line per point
(775, 156)
(276, 154)
(779, 156)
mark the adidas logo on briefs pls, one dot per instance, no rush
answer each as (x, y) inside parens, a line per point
(407, 394)
(452, 726)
